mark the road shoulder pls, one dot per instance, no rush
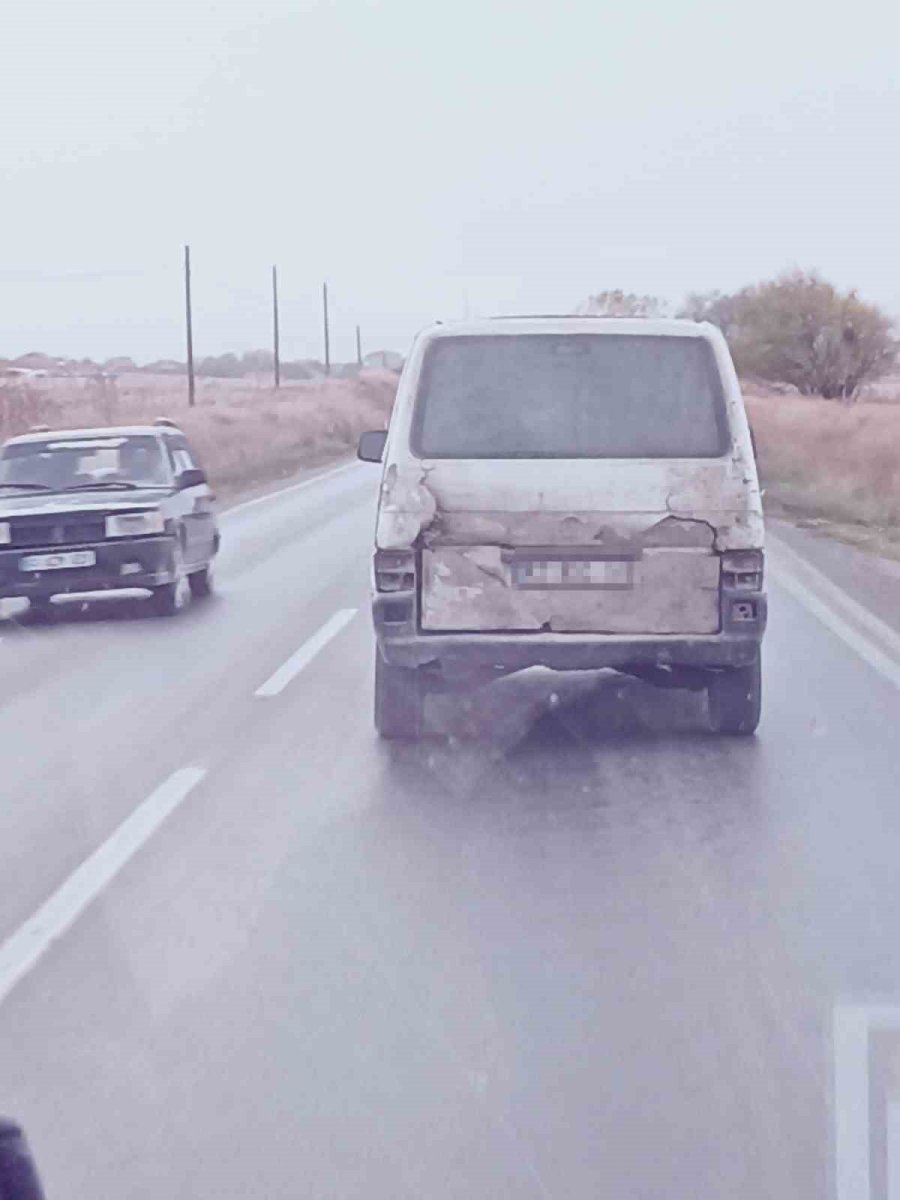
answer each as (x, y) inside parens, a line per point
(867, 579)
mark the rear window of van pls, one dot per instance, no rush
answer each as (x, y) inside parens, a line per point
(570, 396)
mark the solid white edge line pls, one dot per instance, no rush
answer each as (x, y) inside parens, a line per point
(244, 505)
(867, 650)
(892, 1121)
(24, 948)
(300, 658)
(828, 589)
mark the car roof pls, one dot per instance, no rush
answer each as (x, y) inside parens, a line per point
(573, 324)
(71, 435)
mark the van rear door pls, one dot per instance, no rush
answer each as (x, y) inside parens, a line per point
(580, 482)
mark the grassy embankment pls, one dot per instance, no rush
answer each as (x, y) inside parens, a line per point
(831, 464)
(820, 461)
(246, 434)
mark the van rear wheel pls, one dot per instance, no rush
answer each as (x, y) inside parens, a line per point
(735, 698)
(399, 701)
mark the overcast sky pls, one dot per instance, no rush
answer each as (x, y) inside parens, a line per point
(429, 160)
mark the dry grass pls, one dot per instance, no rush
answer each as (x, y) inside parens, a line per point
(245, 433)
(819, 458)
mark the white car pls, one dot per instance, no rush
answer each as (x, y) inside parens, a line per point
(570, 492)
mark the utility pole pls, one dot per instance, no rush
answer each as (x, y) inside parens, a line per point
(189, 323)
(275, 345)
(325, 320)
(358, 347)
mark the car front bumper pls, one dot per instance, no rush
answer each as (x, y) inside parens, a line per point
(145, 562)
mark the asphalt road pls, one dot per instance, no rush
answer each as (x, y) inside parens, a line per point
(593, 951)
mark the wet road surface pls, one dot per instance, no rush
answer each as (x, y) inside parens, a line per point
(592, 951)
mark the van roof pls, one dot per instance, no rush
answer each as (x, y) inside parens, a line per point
(646, 326)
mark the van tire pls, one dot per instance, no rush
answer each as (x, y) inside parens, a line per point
(735, 698)
(399, 701)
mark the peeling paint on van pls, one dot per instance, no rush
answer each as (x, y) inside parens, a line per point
(671, 589)
(406, 507)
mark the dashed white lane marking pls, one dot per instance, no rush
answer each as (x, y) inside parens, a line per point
(24, 949)
(300, 658)
(852, 1028)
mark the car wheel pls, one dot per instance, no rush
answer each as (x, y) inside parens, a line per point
(171, 598)
(201, 582)
(41, 610)
(399, 701)
(735, 698)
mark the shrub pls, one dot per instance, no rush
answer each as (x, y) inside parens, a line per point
(799, 329)
(617, 303)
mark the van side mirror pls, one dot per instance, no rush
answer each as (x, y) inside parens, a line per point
(371, 446)
(192, 477)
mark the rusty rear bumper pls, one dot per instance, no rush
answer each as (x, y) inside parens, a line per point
(404, 645)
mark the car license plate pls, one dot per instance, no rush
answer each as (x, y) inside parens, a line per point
(573, 573)
(58, 562)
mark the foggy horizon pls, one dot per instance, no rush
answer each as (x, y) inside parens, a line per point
(427, 164)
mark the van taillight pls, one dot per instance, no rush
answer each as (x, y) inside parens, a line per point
(743, 570)
(395, 570)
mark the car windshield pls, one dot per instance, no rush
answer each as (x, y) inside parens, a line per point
(84, 463)
(569, 396)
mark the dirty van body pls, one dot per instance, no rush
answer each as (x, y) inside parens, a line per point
(573, 493)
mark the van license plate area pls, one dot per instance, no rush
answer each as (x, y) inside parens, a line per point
(572, 574)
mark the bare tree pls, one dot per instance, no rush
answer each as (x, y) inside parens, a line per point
(799, 329)
(715, 307)
(617, 303)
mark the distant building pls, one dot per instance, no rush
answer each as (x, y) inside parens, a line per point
(37, 362)
(81, 368)
(24, 373)
(165, 366)
(344, 370)
(388, 360)
(118, 366)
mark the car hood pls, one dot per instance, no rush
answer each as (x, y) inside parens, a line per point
(40, 504)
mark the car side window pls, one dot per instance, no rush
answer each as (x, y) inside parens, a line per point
(182, 457)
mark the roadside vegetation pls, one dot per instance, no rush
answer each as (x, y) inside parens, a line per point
(802, 331)
(246, 434)
(812, 358)
(830, 464)
(827, 431)
(827, 423)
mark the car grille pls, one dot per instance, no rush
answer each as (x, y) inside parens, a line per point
(66, 531)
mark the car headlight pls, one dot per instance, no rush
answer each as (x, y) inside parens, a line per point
(135, 524)
(5, 535)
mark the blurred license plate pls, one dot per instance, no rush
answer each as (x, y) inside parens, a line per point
(58, 562)
(572, 573)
